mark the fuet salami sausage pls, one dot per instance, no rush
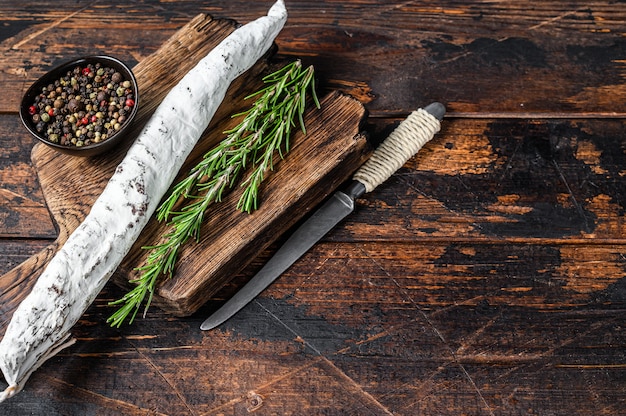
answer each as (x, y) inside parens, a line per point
(40, 326)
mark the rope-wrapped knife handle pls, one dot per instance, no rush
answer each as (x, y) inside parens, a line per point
(401, 145)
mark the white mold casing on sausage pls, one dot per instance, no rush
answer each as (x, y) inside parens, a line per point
(40, 326)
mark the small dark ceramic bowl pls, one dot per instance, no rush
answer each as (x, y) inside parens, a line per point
(58, 72)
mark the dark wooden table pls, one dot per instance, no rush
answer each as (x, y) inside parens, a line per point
(486, 277)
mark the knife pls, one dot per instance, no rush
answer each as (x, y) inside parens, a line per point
(402, 144)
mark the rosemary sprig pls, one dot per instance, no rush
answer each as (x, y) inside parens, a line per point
(264, 131)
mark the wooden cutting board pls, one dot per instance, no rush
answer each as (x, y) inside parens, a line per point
(317, 164)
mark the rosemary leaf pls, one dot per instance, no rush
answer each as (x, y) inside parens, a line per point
(264, 131)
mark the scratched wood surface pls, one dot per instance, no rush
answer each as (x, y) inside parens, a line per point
(486, 277)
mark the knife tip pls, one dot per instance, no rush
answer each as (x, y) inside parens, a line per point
(208, 325)
(436, 109)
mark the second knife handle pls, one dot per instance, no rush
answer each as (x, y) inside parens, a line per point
(402, 144)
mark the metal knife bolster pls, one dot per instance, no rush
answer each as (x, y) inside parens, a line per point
(354, 190)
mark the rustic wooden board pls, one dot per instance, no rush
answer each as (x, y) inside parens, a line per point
(318, 162)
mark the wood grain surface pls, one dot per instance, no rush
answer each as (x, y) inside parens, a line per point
(486, 277)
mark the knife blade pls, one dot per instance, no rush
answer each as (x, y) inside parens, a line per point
(402, 144)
